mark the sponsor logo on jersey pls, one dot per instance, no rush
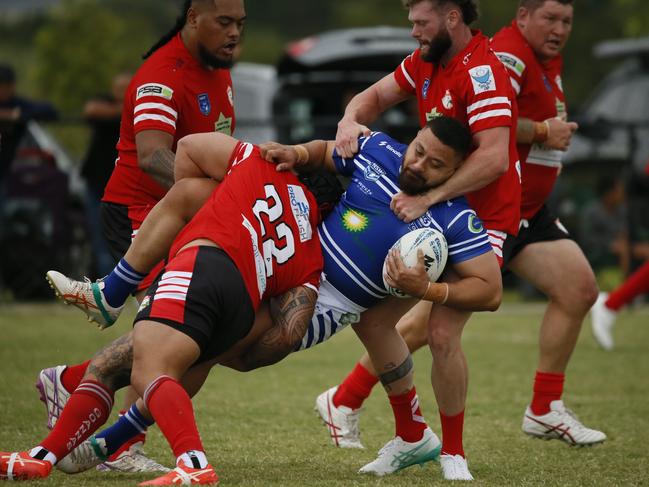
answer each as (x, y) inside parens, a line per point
(433, 114)
(512, 62)
(424, 88)
(355, 221)
(373, 172)
(364, 189)
(230, 96)
(154, 89)
(447, 100)
(300, 208)
(475, 225)
(561, 109)
(425, 220)
(223, 124)
(559, 83)
(482, 78)
(204, 104)
(383, 143)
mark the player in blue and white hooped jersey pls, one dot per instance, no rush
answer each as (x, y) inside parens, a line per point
(355, 239)
(357, 234)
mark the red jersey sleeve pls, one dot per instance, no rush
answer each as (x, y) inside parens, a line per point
(405, 74)
(155, 102)
(488, 95)
(514, 57)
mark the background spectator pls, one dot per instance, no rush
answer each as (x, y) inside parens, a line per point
(103, 114)
(15, 112)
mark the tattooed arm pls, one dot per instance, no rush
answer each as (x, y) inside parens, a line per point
(291, 313)
(155, 157)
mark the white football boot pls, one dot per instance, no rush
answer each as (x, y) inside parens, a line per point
(561, 424)
(87, 455)
(132, 460)
(87, 296)
(398, 454)
(342, 422)
(52, 392)
(602, 320)
(455, 467)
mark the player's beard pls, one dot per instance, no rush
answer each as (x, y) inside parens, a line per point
(437, 47)
(411, 184)
(211, 61)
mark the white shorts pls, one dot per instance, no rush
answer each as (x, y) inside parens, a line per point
(333, 312)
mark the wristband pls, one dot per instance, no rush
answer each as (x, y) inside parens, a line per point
(433, 294)
(541, 131)
(302, 153)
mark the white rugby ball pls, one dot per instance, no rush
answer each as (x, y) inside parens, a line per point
(432, 243)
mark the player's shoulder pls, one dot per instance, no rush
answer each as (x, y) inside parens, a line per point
(458, 216)
(511, 49)
(381, 147)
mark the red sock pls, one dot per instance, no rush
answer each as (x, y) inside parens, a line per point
(637, 283)
(452, 429)
(171, 407)
(548, 387)
(410, 423)
(140, 438)
(72, 375)
(86, 410)
(356, 387)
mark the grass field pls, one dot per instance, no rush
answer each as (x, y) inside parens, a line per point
(260, 429)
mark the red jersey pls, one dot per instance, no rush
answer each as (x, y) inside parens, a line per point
(266, 221)
(171, 92)
(539, 96)
(474, 89)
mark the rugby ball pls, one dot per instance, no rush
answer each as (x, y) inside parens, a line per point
(433, 245)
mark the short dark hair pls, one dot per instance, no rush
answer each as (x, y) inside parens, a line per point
(532, 5)
(7, 74)
(469, 8)
(452, 133)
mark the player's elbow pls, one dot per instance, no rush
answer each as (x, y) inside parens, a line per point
(494, 296)
(500, 164)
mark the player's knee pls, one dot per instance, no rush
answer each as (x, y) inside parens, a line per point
(578, 293)
(442, 341)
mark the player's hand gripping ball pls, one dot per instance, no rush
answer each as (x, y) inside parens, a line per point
(434, 247)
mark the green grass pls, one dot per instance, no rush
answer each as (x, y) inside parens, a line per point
(259, 429)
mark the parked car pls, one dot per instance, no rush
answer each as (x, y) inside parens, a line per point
(42, 222)
(255, 86)
(318, 75)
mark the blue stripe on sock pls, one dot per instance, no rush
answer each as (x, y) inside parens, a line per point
(124, 429)
(123, 281)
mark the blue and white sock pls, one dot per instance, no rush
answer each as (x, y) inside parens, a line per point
(120, 283)
(129, 425)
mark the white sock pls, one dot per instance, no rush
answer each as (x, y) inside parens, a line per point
(193, 459)
(41, 453)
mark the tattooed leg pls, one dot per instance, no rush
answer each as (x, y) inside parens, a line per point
(112, 365)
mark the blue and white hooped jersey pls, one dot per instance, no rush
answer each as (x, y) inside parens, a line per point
(358, 233)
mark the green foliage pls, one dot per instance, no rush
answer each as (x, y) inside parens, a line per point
(81, 44)
(259, 428)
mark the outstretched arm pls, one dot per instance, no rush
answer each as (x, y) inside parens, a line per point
(308, 157)
(291, 313)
